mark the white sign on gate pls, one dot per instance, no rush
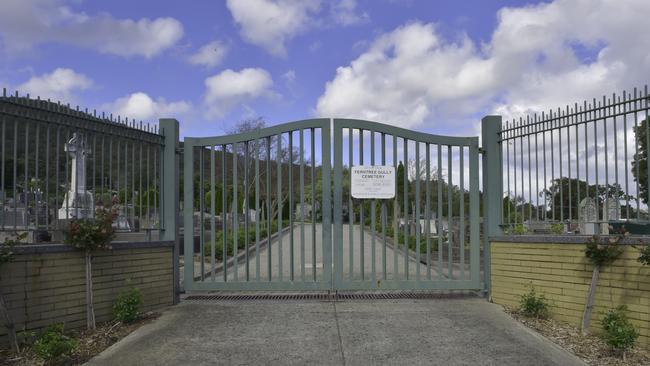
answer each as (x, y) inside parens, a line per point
(373, 182)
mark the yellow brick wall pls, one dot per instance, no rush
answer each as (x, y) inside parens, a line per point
(563, 274)
(41, 289)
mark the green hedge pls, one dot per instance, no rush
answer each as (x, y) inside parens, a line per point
(412, 239)
(241, 239)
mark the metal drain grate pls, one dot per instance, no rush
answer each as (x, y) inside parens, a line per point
(332, 296)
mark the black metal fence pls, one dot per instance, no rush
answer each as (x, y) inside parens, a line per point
(43, 184)
(579, 169)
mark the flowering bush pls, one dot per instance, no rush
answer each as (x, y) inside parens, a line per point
(91, 234)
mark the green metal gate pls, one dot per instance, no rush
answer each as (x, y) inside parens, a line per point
(258, 210)
(261, 171)
(404, 251)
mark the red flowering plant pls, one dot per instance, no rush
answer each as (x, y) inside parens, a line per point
(93, 233)
(90, 234)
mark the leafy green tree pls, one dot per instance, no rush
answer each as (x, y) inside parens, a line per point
(560, 205)
(218, 198)
(512, 208)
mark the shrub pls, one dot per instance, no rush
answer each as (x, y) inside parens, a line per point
(125, 308)
(517, 229)
(644, 258)
(533, 305)
(602, 254)
(91, 234)
(557, 228)
(619, 334)
(52, 344)
(241, 238)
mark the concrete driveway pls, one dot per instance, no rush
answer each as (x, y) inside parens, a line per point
(373, 255)
(465, 331)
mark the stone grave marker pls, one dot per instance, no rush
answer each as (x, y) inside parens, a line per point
(611, 212)
(588, 216)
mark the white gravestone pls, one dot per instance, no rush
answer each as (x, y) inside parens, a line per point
(78, 203)
(588, 216)
(611, 212)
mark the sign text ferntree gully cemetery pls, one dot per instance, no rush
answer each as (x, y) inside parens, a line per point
(373, 182)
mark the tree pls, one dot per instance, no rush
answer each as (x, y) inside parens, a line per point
(600, 255)
(560, 205)
(91, 234)
(512, 208)
(266, 150)
(640, 161)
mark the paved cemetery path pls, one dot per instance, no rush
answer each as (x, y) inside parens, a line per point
(282, 249)
(465, 331)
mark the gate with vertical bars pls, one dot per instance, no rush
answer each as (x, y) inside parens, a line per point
(264, 210)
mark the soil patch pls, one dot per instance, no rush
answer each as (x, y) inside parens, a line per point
(91, 343)
(591, 348)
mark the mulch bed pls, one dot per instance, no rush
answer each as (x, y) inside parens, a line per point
(91, 343)
(591, 349)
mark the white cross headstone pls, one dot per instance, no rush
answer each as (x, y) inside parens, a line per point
(78, 203)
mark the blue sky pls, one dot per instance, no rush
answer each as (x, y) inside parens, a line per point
(435, 66)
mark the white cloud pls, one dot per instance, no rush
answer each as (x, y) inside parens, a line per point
(289, 76)
(210, 55)
(401, 78)
(60, 84)
(345, 13)
(229, 88)
(270, 23)
(539, 57)
(25, 23)
(141, 106)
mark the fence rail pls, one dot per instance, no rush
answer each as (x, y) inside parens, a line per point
(578, 169)
(37, 190)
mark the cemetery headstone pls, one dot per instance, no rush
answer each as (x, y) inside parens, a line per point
(611, 212)
(588, 216)
(78, 203)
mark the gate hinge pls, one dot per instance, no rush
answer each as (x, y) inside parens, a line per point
(481, 150)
